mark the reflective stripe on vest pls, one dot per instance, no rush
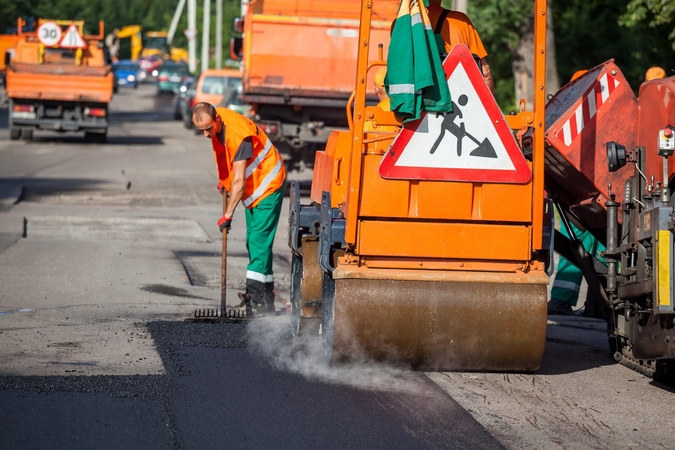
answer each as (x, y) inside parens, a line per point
(256, 162)
(264, 184)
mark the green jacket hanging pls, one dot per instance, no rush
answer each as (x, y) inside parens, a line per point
(415, 78)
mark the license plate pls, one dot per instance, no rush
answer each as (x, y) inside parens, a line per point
(175, 78)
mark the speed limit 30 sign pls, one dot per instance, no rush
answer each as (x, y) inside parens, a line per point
(49, 34)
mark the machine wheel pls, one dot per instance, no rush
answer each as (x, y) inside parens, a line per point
(490, 325)
(14, 133)
(306, 288)
(26, 134)
(95, 138)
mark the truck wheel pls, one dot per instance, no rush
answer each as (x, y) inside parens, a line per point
(26, 134)
(95, 138)
(14, 133)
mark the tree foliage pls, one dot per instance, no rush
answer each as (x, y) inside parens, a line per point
(655, 13)
(587, 33)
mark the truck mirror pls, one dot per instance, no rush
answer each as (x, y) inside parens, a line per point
(8, 58)
(236, 44)
(238, 25)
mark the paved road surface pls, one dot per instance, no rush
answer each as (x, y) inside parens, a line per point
(105, 250)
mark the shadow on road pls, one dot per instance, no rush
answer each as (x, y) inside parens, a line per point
(112, 140)
(18, 188)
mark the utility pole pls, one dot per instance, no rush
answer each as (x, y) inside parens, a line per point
(174, 21)
(192, 34)
(219, 34)
(206, 32)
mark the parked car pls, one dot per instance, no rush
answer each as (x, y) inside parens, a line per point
(232, 100)
(179, 98)
(150, 66)
(126, 72)
(171, 76)
(212, 85)
(188, 103)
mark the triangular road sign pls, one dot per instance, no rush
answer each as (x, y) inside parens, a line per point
(72, 38)
(472, 143)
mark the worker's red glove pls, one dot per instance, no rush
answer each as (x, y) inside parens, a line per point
(221, 188)
(225, 223)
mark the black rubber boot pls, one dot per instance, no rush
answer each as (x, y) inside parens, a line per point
(254, 297)
(269, 297)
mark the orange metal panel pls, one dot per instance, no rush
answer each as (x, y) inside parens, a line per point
(374, 262)
(363, 272)
(346, 9)
(442, 200)
(444, 240)
(306, 55)
(68, 87)
(330, 169)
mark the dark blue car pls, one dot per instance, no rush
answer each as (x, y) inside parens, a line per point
(127, 73)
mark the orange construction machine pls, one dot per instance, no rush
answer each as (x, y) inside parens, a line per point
(59, 80)
(299, 62)
(432, 245)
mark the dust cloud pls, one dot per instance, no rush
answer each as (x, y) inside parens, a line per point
(271, 338)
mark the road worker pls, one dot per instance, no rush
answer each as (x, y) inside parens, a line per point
(380, 90)
(454, 27)
(252, 171)
(568, 277)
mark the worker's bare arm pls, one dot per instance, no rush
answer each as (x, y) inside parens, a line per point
(237, 187)
(487, 75)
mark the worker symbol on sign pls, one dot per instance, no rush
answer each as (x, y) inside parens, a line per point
(484, 149)
(472, 143)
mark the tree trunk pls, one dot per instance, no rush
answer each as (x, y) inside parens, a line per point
(552, 78)
(460, 5)
(523, 62)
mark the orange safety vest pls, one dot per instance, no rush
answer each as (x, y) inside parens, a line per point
(265, 171)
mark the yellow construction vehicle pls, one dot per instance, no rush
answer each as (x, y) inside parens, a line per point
(133, 32)
(149, 44)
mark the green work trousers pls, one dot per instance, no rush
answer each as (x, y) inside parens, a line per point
(568, 277)
(261, 226)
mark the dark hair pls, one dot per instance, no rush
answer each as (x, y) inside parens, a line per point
(203, 109)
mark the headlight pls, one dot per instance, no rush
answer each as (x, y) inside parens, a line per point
(154, 73)
(131, 78)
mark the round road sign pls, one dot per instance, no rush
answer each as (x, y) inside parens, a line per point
(49, 34)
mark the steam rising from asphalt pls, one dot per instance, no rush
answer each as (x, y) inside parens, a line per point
(271, 338)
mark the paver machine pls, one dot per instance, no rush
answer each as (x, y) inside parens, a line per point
(436, 272)
(609, 168)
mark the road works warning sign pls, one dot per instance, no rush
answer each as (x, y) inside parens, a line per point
(72, 38)
(471, 143)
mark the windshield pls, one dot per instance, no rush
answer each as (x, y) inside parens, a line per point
(160, 43)
(178, 69)
(218, 85)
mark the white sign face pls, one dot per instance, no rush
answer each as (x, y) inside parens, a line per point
(471, 143)
(49, 34)
(72, 38)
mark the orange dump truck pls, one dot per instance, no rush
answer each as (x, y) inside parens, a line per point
(299, 61)
(59, 81)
